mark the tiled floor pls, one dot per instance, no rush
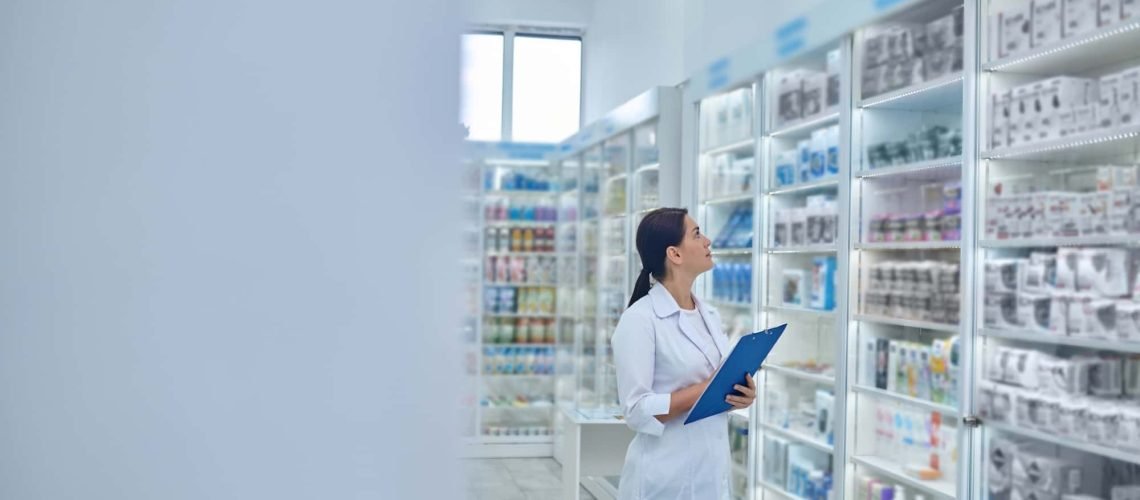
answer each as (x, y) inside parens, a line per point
(516, 479)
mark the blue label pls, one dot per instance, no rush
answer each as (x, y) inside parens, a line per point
(524, 150)
(886, 4)
(792, 28)
(789, 48)
(719, 66)
(718, 73)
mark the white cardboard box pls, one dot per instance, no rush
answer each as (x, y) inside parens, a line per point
(1079, 16)
(1025, 118)
(1108, 12)
(789, 91)
(814, 93)
(1057, 96)
(1084, 118)
(1046, 22)
(1016, 28)
(1126, 102)
(999, 119)
(1129, 10)
(1106, 110)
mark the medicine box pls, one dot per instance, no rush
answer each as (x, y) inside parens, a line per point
(1129, 10)
(1108, 12)
(999, 119)
(823, 283)
(1016, 24)
(1055, 97)
(814, 93)
(1106, 109)
(1080, 17)
(1126, 102)
(786, 163)
(1046, 22)
(833, 70)
(789, 90)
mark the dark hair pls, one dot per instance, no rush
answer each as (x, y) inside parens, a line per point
(659, 230)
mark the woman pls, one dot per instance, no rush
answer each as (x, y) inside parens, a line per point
(666, 347)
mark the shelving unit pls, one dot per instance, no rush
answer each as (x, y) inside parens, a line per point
(512, 213)
(625, 165)
(1060, 156)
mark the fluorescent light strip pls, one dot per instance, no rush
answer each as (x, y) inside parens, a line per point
(872, 102)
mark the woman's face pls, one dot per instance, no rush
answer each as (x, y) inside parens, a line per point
(694, 253)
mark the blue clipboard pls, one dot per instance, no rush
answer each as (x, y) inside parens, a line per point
(744, 359)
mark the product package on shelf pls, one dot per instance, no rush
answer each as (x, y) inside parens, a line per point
(518, 331)
(519, 239)
(814, 289)
(813, 159)
(943, 224)
(518, 360)
(728, 175)
(507, 210)
(732, 282)
(897, 56)
(917, 290)
(929, 142)
(803, 94)
(519, 300)
(816, 223)
(1062, 106)
(1076, 292)
(520, 269)
(726, 118)
(920, 442)
(1077, 397)
(737, 232)
(1113, 209)
(924, 371)
(508, 180)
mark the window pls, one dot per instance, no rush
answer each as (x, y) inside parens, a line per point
(481, 98)
(524, 87)
(547, 88)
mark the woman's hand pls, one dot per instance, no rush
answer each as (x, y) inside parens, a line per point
(747, 397)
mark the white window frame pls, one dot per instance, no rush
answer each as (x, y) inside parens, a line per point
(509, 32)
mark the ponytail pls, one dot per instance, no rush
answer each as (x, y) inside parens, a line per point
(641, 288)
(659, 230)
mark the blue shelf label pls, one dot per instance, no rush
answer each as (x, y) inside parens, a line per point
(886, 4)
(792, 28)
(525, 150)
(790, 37)
(718, 73)
(789, 48)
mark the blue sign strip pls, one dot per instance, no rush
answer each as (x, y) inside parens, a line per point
(792, 28)
(886, 4)
(718, 73)
(791, 37)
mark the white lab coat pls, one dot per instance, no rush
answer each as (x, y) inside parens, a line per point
(656, 353)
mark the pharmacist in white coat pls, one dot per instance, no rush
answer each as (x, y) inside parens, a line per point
(666, 348)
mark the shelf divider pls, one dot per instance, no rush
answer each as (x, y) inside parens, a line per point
(1058, 340)
(901, 398)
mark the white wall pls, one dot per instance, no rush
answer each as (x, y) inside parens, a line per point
(562, 13)
(716, 28)
(219, 271)
(630, 46)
